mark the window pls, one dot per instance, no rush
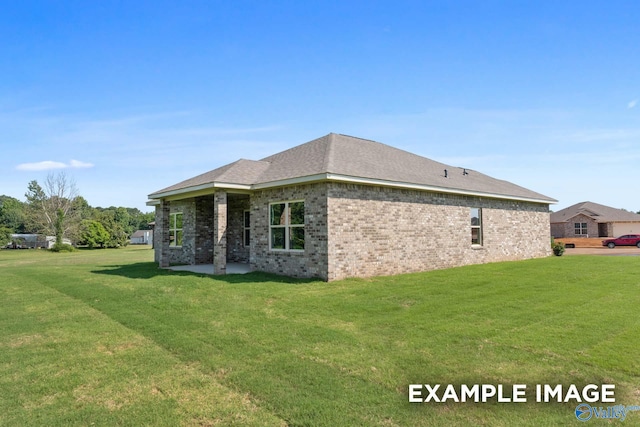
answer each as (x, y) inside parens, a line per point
(175, 229)
(247, 228)
(580, 228)
(476, 226)
(286, 226)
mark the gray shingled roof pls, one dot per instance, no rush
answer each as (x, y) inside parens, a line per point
(599, 213)
(353, 157)
(242, 172)
(140, 233)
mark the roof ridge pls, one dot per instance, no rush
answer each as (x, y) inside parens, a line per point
(328, 152)
(355, 137)
(250, 160)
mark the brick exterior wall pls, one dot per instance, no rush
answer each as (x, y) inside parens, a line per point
(161, 235)
(165, 254)
(557, 229)
(567, 229)
(312, 262)
(204, 233)
(220, 232)
(382, 231)
(197, 232)
(236, 250)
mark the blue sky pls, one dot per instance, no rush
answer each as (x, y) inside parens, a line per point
(130, 97)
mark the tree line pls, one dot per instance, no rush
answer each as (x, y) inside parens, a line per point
(54, 208)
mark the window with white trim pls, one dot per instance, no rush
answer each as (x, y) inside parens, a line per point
(580, 228)
(476, 226)
(175, 229)
(247, 228)
(286, 226)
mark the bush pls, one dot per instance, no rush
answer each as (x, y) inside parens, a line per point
(63, 248)
(93, 234)
(558, 248)
(5, 236)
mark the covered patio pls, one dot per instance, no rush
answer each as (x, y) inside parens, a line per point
(206, 234)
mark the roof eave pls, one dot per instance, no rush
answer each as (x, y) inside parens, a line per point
(210, 188)
(198, 189)
(433, 188)
(396, 184)
(290, 181)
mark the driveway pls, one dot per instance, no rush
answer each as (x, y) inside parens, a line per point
(617, 251)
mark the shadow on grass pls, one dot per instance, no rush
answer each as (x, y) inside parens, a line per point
(149, 270)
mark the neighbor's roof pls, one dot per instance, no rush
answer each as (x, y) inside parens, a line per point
(336, 157)
(140, 233)
(597, 212)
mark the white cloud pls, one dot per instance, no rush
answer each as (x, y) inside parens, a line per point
(79, 164)
(49, 165)
(41, 166)
(632, 104)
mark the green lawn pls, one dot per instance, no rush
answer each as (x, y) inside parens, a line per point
(105, 338)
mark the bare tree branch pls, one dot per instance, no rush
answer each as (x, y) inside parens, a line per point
(53, 204)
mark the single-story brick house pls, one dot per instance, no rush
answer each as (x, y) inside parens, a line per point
(341, 206)
(588, 219)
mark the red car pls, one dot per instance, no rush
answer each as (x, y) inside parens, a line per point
(626, 240)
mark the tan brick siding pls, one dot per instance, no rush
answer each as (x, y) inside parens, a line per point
(382, 231)
(186, 253)
(204, 233)
(236, 250)
(567, 229)
(312, 262)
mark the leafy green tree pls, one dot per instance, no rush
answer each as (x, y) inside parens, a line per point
(93, 234)
(123, 218)
(134, 219)
(5, 235)
(82, 208)
(143, 220)
(81, 211)
(117, 234)
(37, 217)
(12, 214)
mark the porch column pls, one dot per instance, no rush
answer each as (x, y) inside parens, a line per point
(163, 230)
(220, 232)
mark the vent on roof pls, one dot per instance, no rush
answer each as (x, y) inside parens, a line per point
(445, 173)
(464, 172)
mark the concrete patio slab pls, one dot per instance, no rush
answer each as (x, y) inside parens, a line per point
(232, 268)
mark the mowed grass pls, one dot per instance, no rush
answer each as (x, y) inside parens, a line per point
(104, 337)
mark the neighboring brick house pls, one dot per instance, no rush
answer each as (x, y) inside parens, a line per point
(588, 219)
(341, 206)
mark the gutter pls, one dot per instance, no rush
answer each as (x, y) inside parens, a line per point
(210, 188)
